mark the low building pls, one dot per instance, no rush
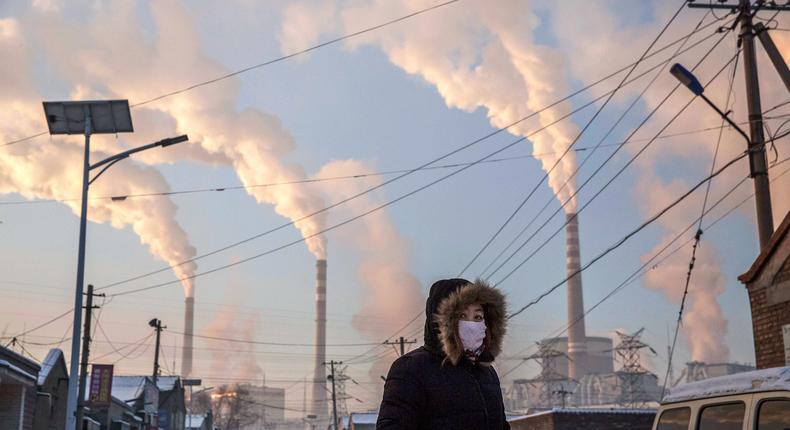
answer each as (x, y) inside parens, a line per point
(362, 421)
(768, 285)
(587, 419)
(18, 387)
(199, 422)
(134, 405)
(53, 389)
(172, 409)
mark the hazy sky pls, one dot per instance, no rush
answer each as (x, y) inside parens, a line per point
(391, 99)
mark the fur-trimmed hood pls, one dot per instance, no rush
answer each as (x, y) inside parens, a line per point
(447, 300)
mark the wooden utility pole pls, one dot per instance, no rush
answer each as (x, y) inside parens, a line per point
(402, 342)
(86, 341)
(334, 396)
(758, 166)
(157, 325)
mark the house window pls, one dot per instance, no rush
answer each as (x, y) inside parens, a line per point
(728, 416)
(674, 419)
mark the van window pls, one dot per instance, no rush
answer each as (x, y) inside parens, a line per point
(773, 415)
(674, 419)
(728, 416)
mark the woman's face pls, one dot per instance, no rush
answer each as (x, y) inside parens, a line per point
(473, 312)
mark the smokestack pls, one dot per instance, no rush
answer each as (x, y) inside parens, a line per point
(186, 353)
(319, 379)
(577, 336)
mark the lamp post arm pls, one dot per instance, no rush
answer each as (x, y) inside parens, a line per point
(109, 161)
(726, 117)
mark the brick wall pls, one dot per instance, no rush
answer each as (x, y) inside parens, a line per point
(769, 297)
(587, 420)
(767, 322)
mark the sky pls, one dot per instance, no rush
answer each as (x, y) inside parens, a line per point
(387, 100)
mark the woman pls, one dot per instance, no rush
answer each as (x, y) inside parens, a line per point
(449, 383)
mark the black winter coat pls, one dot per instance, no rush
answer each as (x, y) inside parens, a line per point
(436, 387)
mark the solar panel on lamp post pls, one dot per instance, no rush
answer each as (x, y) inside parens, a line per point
(88, 118)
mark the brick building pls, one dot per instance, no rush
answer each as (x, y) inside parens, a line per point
(587, 419)
(768, 285)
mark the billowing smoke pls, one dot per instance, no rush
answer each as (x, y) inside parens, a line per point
(482, 56)
(477, 56)
(153, 63)
(239, 362)
(391, 293)
(52, 168)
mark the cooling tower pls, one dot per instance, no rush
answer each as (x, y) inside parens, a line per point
(319, 386)
(186, 353)
(577, 336)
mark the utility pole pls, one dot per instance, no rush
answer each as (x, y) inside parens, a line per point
(757, 163)
(157, 325)
(402, 342)
(331, 377)
(86, 341)
(758, 169)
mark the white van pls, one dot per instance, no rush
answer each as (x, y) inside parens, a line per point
(757, 400)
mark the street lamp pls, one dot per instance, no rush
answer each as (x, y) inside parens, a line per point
(87, 118)
(756, 150)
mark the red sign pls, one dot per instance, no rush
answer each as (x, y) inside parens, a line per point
(101, 385)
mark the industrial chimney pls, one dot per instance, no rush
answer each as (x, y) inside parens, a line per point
(186, 353)
(577, 336)
(319, 381)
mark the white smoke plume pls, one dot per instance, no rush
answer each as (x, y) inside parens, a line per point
(120, 50)
(688, 158)
(482, 56)
(477, 56)
(242, 362)
(390, 292)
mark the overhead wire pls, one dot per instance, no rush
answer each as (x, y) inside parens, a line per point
(578, 136)
(598, 169)
(418, 168)
(699, 233)
(339, 224)
(123, 197)
(484, 273)
(254, 342)
(648, 264)
(265, 63)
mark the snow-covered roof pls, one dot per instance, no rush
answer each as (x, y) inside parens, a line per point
(166, 383)
(128, 387)
(53, 356)
(197, 421)
(587, 411)
(775, 379)
(16, 369)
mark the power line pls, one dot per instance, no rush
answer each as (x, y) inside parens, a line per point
(598, 169)
(587, 125)
(122, 197)
(424, 165)
(253, 342)
(635, 231)
(265, 63)
(639, 272)
(698, 235)
(369, 190)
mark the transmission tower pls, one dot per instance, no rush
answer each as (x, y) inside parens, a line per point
(340, 387)
(549, 382)
(632, 373)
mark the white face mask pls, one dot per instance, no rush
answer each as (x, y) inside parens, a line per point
(472, 334)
